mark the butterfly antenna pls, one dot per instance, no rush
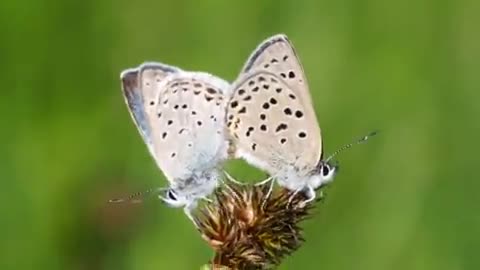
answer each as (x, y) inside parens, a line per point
(345, 147)
(134, 198)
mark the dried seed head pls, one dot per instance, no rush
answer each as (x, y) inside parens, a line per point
(248, 229)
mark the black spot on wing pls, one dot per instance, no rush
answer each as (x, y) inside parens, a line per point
(208, 98)
(281, 127)
(249, 131)
(211, 90)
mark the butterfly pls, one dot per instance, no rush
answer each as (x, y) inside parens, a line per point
(181, 118)
(272, 122)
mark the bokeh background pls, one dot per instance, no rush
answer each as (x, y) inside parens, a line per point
(408, 199)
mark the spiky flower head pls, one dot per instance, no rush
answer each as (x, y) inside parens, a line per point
(249, 227)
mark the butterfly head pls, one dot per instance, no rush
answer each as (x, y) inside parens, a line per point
(174, 199)
(324, 173)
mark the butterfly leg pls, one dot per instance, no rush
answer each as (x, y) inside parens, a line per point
(292, 197)
(270, 190)
(232, 191)
(188, 209)
(231, 179)
(207, 199)
(264, 181)
(311, 195)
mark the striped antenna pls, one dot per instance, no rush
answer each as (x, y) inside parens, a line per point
(138, 196)
(359, 141)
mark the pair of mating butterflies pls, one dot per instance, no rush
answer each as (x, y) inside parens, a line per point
(193, 121)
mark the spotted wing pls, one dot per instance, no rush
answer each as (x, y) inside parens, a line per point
(186, 117)
(270, 115)
(137, 97)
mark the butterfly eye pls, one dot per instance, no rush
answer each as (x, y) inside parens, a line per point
(325, 170)
(171, 195)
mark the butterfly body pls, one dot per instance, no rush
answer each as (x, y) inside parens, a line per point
(180, 115)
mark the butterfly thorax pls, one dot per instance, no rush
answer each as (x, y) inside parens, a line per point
(323, 174)
(196, 186)
(294, 178)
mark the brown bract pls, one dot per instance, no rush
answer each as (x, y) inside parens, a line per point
(248, 230)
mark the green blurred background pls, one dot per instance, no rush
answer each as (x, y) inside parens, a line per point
(406, 200)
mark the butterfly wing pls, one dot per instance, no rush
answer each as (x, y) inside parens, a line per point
(136, 96)
(186, 117)
(270, 115)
